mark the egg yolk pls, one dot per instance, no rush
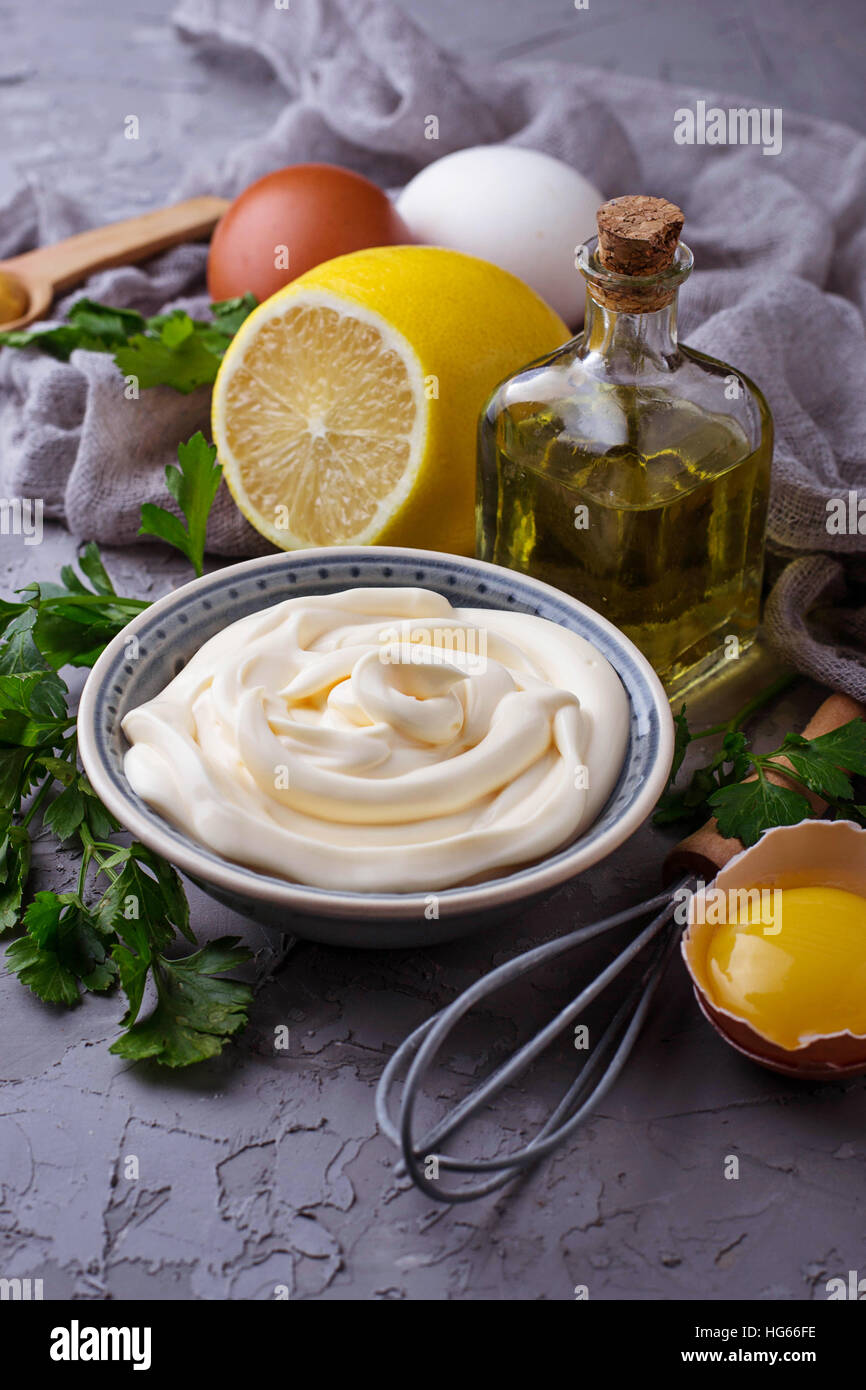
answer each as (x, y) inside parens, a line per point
(807, 979)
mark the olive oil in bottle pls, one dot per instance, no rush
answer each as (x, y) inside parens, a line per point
(631, 471)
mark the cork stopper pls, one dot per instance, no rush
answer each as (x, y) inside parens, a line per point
(637, 236)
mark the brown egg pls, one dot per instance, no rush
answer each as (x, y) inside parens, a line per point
(829, 853)
(292, 220)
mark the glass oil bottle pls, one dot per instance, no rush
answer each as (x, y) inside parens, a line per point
(629, 470)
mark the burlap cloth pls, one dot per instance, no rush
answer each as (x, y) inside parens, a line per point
(780, 242)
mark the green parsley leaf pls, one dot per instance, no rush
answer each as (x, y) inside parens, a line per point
(690, 804)
(17, 767)
(33, 710)
(8, 613)
(195, 1014)
(19, 652)
(193, 486)
(43, 972)
(63, 770)
(744, 810)
(182, 362)
(98, 819)
(41, 695)
(183, 353)
(166, 350)
(175, 328)
(229, 314)
(104, 324)
(682, 739)
(62, 946)
(65, 813)
(67, 945)
(735, 751)
(93, 569)
(56, 342)
(821, 765)
(71, 623)
(71, 634)
(14, 869)
(817, 772)
(133, 971)
(145, 903)
(844, 747)
(97, 327)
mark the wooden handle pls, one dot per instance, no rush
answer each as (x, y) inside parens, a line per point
(120, 243)
(706, 851)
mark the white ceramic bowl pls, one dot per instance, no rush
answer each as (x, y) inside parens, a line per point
(172, 630)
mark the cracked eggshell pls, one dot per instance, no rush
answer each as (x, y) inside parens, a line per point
(832, 853)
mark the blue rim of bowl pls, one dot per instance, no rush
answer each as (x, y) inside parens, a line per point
(527, 882)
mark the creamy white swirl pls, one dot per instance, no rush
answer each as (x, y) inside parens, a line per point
(379, 740)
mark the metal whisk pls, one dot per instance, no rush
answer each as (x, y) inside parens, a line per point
(593, 1080)
(701, 854)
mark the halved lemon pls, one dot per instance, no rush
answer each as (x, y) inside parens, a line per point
(345, 409)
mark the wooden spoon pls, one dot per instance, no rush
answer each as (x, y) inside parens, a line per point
(28, 283)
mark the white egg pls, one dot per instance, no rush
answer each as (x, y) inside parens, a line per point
(523, 210)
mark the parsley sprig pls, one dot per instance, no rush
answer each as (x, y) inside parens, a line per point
(745, 809)
(121, 923)
(165, 350)
(193, 486)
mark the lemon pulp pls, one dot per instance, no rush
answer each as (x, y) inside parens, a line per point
(806, 980)
(323, 411)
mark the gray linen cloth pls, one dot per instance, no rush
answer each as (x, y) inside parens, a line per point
(780, 242)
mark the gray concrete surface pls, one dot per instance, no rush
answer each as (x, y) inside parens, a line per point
(264, 1168)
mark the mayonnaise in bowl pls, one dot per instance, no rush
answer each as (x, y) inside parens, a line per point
(380, 740)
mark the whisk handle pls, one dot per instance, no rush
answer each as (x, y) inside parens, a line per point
(706, 851)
